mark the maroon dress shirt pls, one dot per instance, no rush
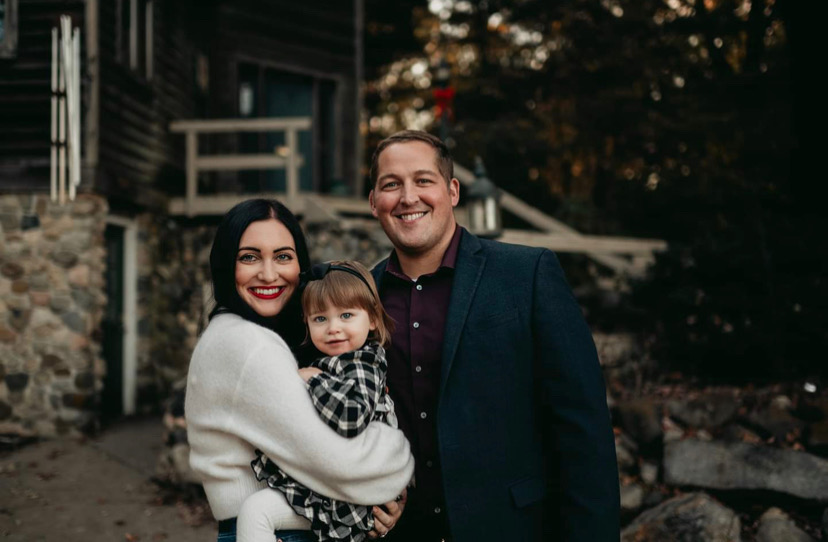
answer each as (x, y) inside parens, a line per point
(419, 308)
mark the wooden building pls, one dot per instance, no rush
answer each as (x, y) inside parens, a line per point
(186, 107)
(101, 296)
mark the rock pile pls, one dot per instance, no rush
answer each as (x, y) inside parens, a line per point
(722, 464)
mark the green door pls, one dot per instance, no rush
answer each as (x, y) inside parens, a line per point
(112, 398)
(289, 95)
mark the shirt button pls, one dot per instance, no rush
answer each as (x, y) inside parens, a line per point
(419, 286)
(418, 369)
(436, 509)
(429, 463)
(416, 325)
(423, 415)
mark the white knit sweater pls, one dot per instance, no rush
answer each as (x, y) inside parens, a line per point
(244, 392)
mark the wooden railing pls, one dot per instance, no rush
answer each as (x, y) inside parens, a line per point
(290, 159)
(624, 255)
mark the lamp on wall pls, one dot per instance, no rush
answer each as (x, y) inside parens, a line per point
(483, 203)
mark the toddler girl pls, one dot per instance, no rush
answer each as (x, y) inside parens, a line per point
(347, 323)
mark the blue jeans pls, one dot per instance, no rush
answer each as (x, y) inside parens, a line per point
(296, 536)
(284, 536)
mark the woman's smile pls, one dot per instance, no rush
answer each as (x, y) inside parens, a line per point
(267, 293)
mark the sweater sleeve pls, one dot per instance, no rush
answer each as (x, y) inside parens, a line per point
(272, 410)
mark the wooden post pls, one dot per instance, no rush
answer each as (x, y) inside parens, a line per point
(62, 132)
(133, 34)
(62, 150)
(192, 171)
(292, 164)
(93, 85)
(74, 161)
(53, 162)
(149, 35)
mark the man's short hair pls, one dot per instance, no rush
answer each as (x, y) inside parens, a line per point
(444, 162)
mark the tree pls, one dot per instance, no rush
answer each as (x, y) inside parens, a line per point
(668, 119)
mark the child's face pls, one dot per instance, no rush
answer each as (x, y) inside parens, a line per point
(337, 330)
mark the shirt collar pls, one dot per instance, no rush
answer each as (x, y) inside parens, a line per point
(448, 262)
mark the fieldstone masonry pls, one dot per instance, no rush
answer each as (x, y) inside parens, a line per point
(51, 303)
(173, 269)
(52, 300)
(174, 293)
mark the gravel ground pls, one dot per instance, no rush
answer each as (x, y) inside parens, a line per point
(95, 490)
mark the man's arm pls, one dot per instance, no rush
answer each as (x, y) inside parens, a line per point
(580, 448)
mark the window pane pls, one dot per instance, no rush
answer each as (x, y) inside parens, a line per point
(2, 19)
(122, 30)
(326, 139)
(289, 95)
(250, 142)
(140, 37)
(268, 92)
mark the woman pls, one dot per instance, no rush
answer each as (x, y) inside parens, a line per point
(244, 392)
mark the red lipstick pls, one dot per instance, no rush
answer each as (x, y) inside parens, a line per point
(268, 296)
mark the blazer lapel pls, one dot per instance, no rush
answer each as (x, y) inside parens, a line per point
(467, 273)
(378, 272)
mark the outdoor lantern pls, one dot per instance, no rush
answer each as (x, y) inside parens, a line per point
(483, 203)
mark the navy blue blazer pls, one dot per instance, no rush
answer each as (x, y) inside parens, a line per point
(523, 429)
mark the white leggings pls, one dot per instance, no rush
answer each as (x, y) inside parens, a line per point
(264, 512)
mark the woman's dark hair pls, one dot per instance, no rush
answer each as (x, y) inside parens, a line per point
(287, 323)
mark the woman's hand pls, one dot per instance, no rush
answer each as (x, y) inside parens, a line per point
(384, 520)
(308, 372)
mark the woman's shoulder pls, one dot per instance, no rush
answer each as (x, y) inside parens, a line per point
(232, 345)
(231, 329)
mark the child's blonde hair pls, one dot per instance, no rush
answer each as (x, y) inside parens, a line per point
(342, 289)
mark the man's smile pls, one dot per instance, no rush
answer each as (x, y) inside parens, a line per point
(411, 217)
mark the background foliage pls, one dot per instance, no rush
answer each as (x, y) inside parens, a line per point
(671, 119)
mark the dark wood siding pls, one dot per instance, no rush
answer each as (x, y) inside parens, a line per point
(25, 94)
(313, 38)
(139, 160)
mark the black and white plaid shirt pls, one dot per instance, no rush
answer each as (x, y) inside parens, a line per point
(349, 394)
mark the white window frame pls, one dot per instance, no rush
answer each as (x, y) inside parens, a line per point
(8, 45)
(148, 42)
(130, 55)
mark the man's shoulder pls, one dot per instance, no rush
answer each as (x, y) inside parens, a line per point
(517, 254)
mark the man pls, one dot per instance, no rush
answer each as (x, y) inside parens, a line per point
(492, 369)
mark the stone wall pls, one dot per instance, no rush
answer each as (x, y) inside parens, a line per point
(52, 298)
(51, 304)
(361, 240)
(173, 288)
(175, 293)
